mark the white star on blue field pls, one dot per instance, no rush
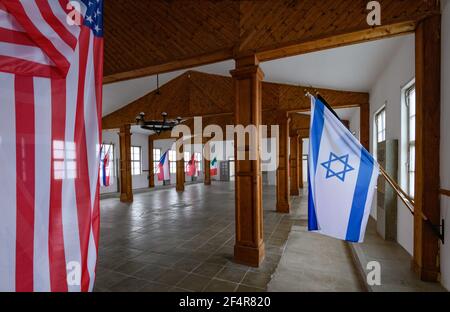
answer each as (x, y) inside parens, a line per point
(332, 171)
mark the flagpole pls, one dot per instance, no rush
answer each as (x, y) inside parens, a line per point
(400, 193)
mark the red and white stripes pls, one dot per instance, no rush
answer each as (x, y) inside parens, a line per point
(50, 134)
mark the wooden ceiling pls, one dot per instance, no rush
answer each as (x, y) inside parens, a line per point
(144, 33)
(152, 36)
(198, 94)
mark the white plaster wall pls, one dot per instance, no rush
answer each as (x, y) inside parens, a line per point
(445, 140)
(355, 123)
(139, 181)
(399, 71)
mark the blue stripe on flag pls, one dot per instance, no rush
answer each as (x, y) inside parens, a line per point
(104, 174)
(315, 139)
(316, 131)
(312, 217)
(360, 196)
(163, 159)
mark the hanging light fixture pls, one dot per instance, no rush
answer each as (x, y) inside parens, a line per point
(158, 126)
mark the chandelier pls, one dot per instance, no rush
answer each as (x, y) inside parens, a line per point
(157, 126)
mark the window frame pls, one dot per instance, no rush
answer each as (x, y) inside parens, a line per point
(134, 161)
(156, 159)
(381, 113)
(187, 159)
(198, 161)
(172, 161)
(64, 160)
(410, 142)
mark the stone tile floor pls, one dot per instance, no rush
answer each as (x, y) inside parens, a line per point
(168, 241)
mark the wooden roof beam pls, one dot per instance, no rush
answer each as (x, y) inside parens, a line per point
(199, 94)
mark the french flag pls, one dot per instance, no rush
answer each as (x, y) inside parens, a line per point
(164, 172)
(105, 173)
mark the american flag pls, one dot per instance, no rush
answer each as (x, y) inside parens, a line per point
(51, 71)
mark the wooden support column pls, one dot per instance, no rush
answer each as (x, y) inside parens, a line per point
(427, 181)
(207, 168)
(207, 164)
(249, 247)
(364, 135)
(151, 171)
(283, 166)
(126, 189)
(294, 166)
(181, 177)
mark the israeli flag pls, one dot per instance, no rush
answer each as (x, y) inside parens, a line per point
(342, 178)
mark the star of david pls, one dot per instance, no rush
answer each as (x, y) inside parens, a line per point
(341, 164)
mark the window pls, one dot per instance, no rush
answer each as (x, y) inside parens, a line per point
(65, 160)
(232, 168)
(380, 126)
(156, 158)
(187, 159)
(410, 100)
(173, 161)
(135, 160)
(198, 161)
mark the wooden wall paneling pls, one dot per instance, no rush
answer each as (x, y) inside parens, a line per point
(427, 177)
(173, 99)
(364, 128)
(199, 94)
(249, 247)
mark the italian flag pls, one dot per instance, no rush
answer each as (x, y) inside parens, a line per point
(213, 169)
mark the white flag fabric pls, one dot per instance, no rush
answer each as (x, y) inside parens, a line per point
(342, 178)
(164, 169)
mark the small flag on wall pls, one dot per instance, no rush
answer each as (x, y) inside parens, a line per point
(191, 167)
(213, 169)
(342, 177)
(164, 171)
(105, 170)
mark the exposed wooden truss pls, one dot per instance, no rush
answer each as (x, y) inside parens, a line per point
(199, 94)
(149, 37)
